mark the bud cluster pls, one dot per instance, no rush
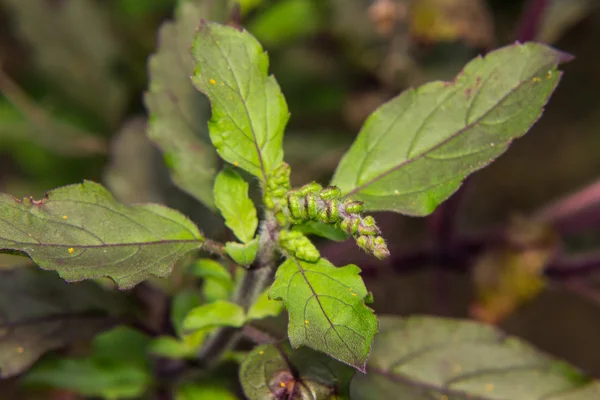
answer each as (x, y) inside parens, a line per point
(313, 202)
(277, 186)
(298, 245)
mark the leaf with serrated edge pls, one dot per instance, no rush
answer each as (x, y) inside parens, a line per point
(82, 232)
(269, 371)
(414, 151)
(231, 197)
(219, 313)
(178, 113)
(249, 113)
(421, 358)
(326, 309)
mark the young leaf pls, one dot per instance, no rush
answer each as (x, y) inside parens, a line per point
(205, 391)
(210, 269)
(178, 113)
(219, 313)
(326, 309)
(182, 303)
(414, 151)
(272, 372)
(41, 312)
(117, 368)
(170, 347)
(81, 232)
(264, 307)
(431, 357)
(249, 113)
(231, 196)
(243, 254)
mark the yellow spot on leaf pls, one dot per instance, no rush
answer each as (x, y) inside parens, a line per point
(549, 74)
(536, 79)
(282, 384)
(212, 81)
(65, 217)
(235, 163)
(71, 250)
(396, 192)
(20, 350)
(353, 294)
(489, 388)
(306, 321)
(261, 352)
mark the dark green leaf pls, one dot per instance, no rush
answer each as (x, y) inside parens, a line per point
(326, 307)
(231, 197)
(182, 303)
(249, 113)
(82, 232)
(178, 113)
(423, 358)
(41, 312)
(270, 372)
(117, 368)
(414, 151)
(243, 254)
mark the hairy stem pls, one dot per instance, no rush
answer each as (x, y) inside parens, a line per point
(255, 281)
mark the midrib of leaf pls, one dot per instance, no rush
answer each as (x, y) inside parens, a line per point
(254, 140)
(409, 160)
(303, 273)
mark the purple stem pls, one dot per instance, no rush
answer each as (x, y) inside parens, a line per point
(530, 20)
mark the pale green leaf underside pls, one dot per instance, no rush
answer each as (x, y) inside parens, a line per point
(178, 113)
(414, 151)
(423, 358)
(82, 232)
(231, 197)
(249, 113)
(242, 254)
(219, 313)
(326, 309)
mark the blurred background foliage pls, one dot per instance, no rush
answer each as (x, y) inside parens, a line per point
(73, 74)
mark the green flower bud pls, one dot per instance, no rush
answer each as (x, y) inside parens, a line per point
(330, 193)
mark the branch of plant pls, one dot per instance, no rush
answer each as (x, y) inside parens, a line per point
(257, 279)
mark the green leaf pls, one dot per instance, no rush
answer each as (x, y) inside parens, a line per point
(210, 269)
(219, 313)
(271, 372)
(178, 113)
(117, 368)
(243, 254)
(41, 312)
(331, 232)
(204, 391)
(415, 150)
(81, 232)
(264, 307)
(231, 196)
(326, 309)
(170, 347)
(286, 20)
(422, 358)
(249, 113)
